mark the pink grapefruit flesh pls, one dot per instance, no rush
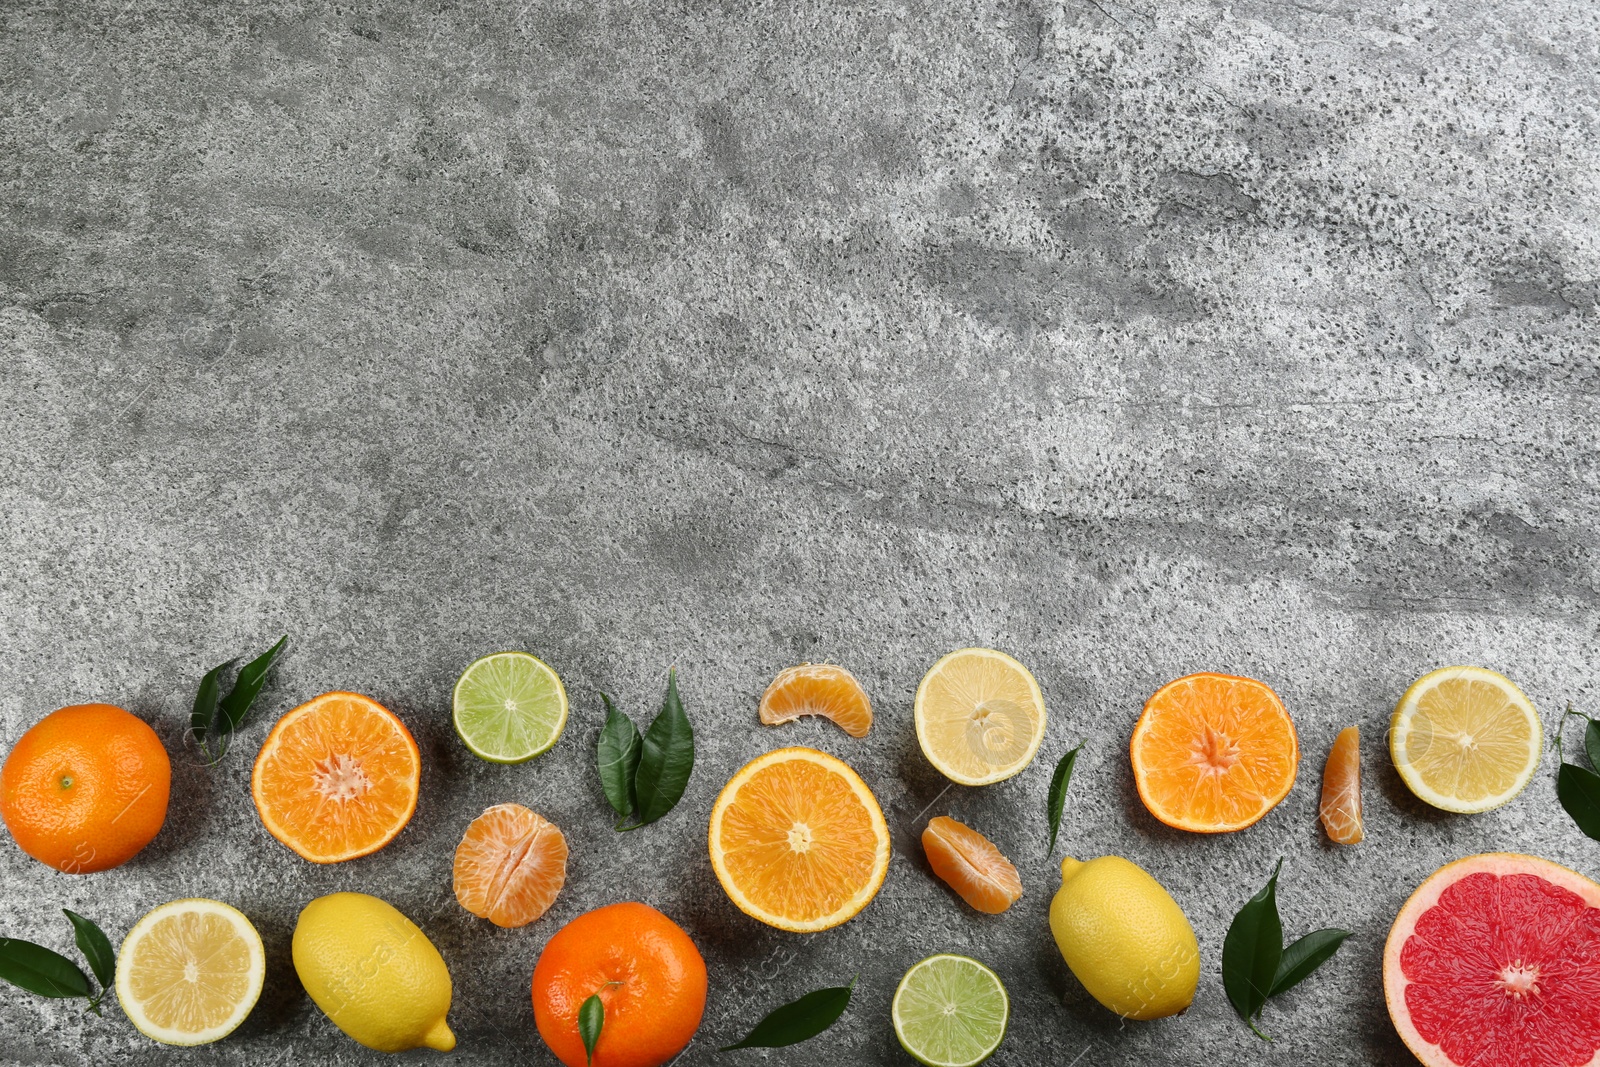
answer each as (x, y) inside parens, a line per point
(1495, 960)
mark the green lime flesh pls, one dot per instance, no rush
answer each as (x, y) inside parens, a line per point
(950, 1011)
(509, 707)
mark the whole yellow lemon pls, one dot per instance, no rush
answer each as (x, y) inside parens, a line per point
(1125, 938)
(374, 973)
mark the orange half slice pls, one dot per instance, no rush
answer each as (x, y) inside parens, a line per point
(1214, 753)
(798, 840)
(337, 778)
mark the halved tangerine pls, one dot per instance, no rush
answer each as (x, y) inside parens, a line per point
(337, 777)
(971, 865)
(818, 689)
(1213, 753)
(798, 840)
(510, 865)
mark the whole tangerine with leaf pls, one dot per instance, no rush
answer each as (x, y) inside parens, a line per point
(85, 788)
(648, 978)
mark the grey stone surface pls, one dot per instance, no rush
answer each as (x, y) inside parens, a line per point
(1132, 339)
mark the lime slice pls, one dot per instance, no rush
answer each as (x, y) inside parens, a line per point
(950, 1011)
(509, 707)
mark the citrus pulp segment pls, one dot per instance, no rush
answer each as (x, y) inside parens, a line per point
(510, 865)
(1213, 753)
(1465, 739)
(818, 689)
(1341, 789)
(337, 778)
(971, 865)
(980, 716)
(798, 840)
(509, 707)
(1495, 959)
(190, 972)
(950, 1011)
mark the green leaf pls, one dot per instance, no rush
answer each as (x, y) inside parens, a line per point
(799, 1020)
(1252, 952)
(1058, 793)
(1591, 743)
(618, 759)
(203, 719)
(252, 676)
(38, 970)
(666, 758)
(1578, 789)
(1305, 956)
(96, 948)
(591, 1019)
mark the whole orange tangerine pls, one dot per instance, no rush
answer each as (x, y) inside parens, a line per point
(649, 975)
(85, 788)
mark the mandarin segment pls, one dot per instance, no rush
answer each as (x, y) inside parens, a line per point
(798, 840)
(971, 865)
(1341, 789)
(337, 778)
(818, 689)
(1213, 753)
(510, 865)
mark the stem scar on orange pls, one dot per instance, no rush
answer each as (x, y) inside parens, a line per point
(648, 975)
(337, 778)
(85, 788)
(1213, 753)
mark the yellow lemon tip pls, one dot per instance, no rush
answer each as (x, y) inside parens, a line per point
(1069, 867)
(440, 1037)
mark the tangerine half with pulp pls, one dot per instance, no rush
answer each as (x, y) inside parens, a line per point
(1213, 753)
(337, 777)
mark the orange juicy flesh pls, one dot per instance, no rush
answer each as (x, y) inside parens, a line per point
(337, 778)
(818, 689)
(1214, 752)
(798, 841)
(1341, 789)
(510, 865)
(971, 865)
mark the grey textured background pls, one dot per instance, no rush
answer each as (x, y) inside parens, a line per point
(1131, 339)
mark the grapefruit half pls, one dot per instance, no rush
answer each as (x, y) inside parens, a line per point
(1495, 960)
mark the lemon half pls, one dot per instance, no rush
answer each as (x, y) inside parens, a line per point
(1465, 739)
(190, 972)
(980, 716)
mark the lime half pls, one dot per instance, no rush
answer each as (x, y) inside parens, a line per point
(509, 707)
(950, 1011)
